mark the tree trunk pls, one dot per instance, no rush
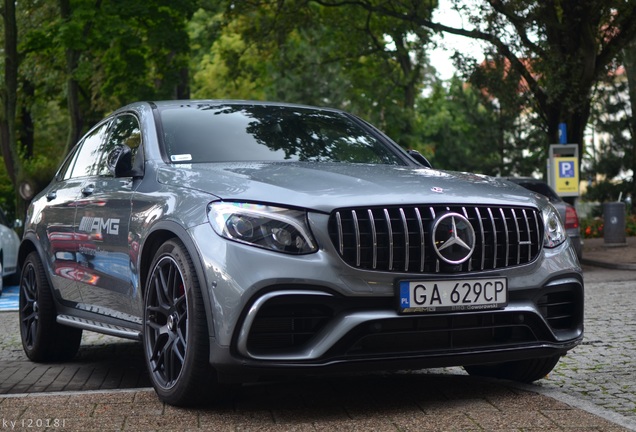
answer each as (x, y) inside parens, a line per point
(9, 95)
(26, 130)
(76, 121)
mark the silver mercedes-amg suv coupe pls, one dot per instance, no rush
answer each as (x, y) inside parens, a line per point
(238, 240)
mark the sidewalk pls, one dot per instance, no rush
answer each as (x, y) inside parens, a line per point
(597, 253)
(392, 402)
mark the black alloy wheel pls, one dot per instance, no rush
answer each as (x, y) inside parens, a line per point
(43, 339)
(175, 335)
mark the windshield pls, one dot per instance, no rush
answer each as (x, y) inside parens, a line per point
(236, 133)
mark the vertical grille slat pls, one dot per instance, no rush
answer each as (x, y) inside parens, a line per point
(483, 238)
(407, 244)
(494, 238)
(340, 233)
(399, 239)
(507, 243)
(518, 233)
(418, 216)
(374, 240)
(529, 241)
(538, 232)
(389, 227)
(356, 230)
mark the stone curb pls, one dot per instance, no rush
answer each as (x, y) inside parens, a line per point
(608, 265)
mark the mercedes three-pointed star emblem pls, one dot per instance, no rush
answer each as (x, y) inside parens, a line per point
(453, 238)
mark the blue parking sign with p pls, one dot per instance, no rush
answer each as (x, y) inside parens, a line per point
(566, 169)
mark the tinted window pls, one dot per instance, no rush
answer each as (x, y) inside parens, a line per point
(87, 157)
(67, 166)
(124, 131)
(222, 133)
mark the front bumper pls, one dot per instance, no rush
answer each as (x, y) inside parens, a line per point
(276, 313)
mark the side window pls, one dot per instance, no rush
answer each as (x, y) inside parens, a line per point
(86, 159)
(125, 130)
(67, 166)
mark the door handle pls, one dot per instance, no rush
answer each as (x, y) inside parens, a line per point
(88, 190)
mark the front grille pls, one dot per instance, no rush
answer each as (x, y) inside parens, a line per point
(399, 239)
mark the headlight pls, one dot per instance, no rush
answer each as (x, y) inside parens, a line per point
(554, 232)
(268, 227)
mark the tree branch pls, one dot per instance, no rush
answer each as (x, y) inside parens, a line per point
(519, 23)
(501, 46)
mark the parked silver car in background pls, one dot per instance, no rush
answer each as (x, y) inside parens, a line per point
(9, 244)
(240, 240)
(567, 211)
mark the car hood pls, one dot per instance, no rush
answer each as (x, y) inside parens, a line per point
(324, 187)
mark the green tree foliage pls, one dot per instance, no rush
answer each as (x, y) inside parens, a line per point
(224, 65)
(461, 130)
(69, 62)
(629, 60)
(522, 136)
(298, 51)
(612, 122)
(559, 48)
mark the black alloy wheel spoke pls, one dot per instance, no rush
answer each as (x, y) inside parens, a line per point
(30, 316)
(167, 322)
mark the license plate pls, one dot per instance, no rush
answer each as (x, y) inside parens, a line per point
(452, 295)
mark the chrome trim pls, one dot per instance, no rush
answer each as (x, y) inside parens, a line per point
(494, 232)
(374, 236)
(503, 217)
(390, 231)
(366, 244)
(482, 233)
(241, 344)
(422, 242)
(356, 229)
(340, 233)
(406, 240)
(99, 327)
(514, 217)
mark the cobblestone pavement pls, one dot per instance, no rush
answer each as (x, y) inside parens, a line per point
(599, 374)
(602, 369)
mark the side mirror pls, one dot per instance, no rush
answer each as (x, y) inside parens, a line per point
(120, 162)
(419, 158)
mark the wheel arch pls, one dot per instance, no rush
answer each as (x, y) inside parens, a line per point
(30, 244)
(159, 234)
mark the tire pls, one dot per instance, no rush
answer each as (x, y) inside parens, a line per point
(175, 332)
(526, 371)
(43, 339)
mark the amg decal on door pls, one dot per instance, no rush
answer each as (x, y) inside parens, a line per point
(98, 225)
